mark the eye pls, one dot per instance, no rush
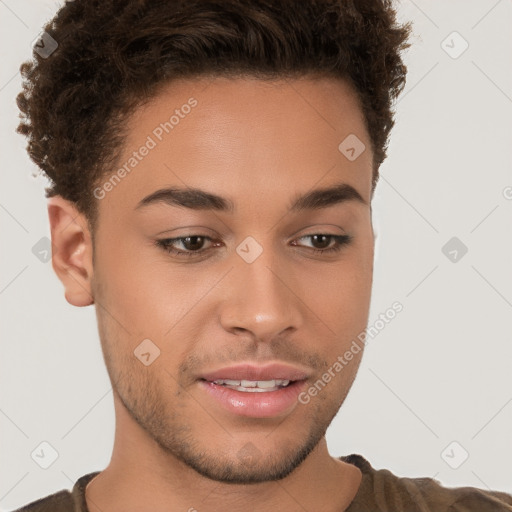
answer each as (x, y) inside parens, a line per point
(326, 240)
(193, 245)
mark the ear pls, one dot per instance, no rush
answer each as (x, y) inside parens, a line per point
(72, 250)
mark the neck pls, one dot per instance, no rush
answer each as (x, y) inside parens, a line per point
(141, 473)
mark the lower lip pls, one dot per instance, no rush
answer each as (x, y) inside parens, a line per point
(256, 404)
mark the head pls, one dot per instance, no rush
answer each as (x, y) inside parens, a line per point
(212, 166)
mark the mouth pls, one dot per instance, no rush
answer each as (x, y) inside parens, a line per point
(255, 391)
(254, 386)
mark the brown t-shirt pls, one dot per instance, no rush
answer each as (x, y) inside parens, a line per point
(380, 491)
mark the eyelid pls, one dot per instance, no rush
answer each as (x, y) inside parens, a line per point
(201, 231)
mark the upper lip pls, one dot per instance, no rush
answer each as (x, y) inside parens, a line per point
(257, 372)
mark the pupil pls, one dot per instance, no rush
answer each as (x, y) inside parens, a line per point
(197, 245)
(325, 237)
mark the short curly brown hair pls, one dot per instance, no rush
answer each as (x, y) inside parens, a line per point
(111, 56)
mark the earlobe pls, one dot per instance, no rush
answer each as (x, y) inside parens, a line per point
(72, 250)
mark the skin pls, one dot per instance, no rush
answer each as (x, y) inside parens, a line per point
(258, 143)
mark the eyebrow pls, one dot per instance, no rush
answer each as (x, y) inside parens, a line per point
(197, 199)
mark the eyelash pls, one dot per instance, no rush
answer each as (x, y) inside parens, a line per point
(166, 244)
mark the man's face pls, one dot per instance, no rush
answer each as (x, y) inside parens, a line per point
(253, 287)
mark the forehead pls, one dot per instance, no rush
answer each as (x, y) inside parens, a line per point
(244, 136)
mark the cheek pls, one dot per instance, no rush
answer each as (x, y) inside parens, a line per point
(126, 283)
(346, 285)
(145, 295)
(343, 309)
(340, 297)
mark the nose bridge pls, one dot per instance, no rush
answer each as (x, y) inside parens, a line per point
(260, 298)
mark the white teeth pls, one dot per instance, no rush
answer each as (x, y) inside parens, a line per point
(266, 384)
(253, 385)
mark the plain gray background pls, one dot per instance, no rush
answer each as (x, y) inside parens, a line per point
(438, 373)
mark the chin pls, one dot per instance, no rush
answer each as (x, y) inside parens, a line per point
(250, 465)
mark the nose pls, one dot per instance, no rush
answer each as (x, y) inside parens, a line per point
(262, 297)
